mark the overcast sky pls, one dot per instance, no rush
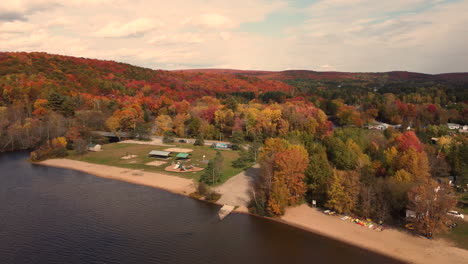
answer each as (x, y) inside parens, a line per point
(428, 36)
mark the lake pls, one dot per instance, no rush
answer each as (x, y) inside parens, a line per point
(51, 215)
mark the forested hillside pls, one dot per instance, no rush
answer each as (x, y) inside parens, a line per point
(317, 136)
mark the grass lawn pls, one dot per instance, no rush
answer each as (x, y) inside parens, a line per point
(459, 234)
(112, 153)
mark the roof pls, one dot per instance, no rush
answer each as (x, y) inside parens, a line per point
(182, 155)
(159, 153)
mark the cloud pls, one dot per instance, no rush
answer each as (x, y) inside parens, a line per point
(11, 10)
(345, 35)
(225, 35)
(216, 21)
(15, 27)
(134, 28)
(175, 39)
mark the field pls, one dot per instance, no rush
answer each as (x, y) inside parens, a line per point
(112, 153)
(459, 235)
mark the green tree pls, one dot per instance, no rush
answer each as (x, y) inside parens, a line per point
(212, 172)
(199, 141)
(237, 140)
(318, 176)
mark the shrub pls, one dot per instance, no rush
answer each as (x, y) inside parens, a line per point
(80, 146)
(54, 148)
(168, 137)
(199, 141)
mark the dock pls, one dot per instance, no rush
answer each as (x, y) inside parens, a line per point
(225, 211)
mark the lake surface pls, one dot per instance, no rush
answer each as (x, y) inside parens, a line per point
(50, 215)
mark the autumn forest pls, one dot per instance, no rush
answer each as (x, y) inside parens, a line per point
(317, 134)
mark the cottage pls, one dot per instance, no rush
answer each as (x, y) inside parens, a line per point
(94, 147)
(453, 126)
(159, 154)
(382, 126)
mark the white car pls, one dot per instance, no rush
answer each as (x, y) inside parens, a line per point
(456, 214)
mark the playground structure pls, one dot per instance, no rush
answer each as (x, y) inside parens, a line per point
(181, 167)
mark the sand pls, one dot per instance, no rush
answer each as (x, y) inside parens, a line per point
(390, 242)
(156, 163)
(238, 189)
(162, 181)
(128, 157)
(183, 150)
(153, 141)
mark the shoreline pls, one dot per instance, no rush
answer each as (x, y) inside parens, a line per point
(173, 184)
(390, 243)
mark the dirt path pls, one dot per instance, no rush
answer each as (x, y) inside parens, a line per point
(237, 190)
(391, 242)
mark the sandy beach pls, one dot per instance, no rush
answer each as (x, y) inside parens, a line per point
(390, 242)
(170, 183)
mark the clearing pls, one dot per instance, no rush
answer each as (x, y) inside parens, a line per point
(111, 155)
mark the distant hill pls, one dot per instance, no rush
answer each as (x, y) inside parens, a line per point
(317, 75)
(38, 74)
(66, 75)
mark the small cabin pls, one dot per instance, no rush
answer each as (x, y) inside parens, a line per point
(159, 154)
(453, 126)
(182, 156)
(94, 147)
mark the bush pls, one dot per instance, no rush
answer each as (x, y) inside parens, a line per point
(80, 146)
(55, 148)
(212, 196)
(168, 137)
(202, 188)
(199, 141)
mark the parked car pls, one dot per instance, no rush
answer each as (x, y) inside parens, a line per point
(182, 141)
(456, 214)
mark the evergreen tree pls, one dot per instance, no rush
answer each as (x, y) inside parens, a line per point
(199, 141)
(213, 170)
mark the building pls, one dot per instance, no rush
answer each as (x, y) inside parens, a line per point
(94, 147)
(159, 154)
(182, 156)
(382, 126)
(453, 126)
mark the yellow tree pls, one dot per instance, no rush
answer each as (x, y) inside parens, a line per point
(344, 191)
(163, 123)
(179, 124)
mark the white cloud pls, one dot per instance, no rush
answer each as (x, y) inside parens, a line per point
(225, 35)
(217, 21)
(15, 27)
(132, 28)
(182, 38)
(346, 35)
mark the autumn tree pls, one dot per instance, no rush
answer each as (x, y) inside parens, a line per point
(282, 177)
(344, 191)
(430, 202)
(163, 123)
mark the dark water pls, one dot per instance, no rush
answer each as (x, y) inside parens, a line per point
(50, 215)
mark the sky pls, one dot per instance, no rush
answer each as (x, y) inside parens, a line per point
(429, 36)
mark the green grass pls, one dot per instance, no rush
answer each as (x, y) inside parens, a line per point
(112, 153)
(459, 234)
